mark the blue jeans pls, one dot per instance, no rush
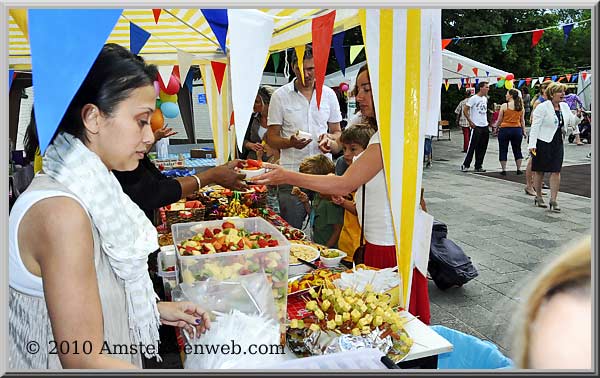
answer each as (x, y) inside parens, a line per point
(514, 135)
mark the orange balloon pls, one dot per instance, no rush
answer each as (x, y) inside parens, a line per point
(157, 121)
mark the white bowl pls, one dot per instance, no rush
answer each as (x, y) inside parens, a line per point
(300, 268)
(331, 262)
(252, 172)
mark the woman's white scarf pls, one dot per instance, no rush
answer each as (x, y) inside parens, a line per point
(126, 235)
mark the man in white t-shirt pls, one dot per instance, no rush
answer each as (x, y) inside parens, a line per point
(475, 110)
(293, 109)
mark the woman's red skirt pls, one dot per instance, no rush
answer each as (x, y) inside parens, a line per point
(384, 256)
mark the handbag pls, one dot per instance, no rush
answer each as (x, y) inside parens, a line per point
(359, 253)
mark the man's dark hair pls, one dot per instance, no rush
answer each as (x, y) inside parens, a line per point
(481, 85)
(308, 54)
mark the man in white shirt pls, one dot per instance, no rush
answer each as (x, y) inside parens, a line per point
(293, 109)
(475, 110)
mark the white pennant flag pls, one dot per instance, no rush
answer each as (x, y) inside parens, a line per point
(165, 74)
(354, 51)
(250, 33)
(185, 62)
(541, 79)
(533, 82)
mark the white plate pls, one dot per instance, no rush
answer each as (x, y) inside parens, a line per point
(252, 172)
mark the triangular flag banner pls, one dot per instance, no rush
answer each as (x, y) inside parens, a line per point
(354, 51)
(55, 34)
(300, 58)
(322, 30)
(476, 82)
(475, 71)
(459, 84)
(487, 73)
(164, 73)
(535, 38)
(176, 72)
(584, 75)
(504, 39)
(462, 81)
(156, 14)
(446, 84)
(137, 38)
(520, 83)
(554, 77)
(266, 61)
(250, 34)
(528, 80)
(568, 77)
(218, 69)
(11, 75)
(455, 40)
(20, 17)
(567, 29)
(189, 79)
(459, 67)
(533, 82)
(541, 79)
(560, 78)
(446, 42)
(185, 60)
(219, 23)
(338, 50)
(276, 59)
(574, 77)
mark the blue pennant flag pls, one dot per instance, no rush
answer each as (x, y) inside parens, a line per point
(476, 82)
(137, 38)
(219, 23)
(462, 81)
(188, 80)
(455, 40)
(487, 73)
(520, 83)
(11, 75)
(574, 77)
(554, 77)
(567, 29)
(338, 49)
(64, 45)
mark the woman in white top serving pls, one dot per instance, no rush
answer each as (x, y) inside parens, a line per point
(367, 170)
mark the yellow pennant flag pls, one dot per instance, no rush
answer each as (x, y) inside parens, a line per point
(354, 51)
(300, 56)
(266, 61)
(446, 84)
(20, 17)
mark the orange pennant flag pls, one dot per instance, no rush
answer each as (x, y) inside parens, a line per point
(446, 42)
(475, 71)
(459, 67)
(156, 14)
(559, 79)
(322, 31)
(568, 77)
(584, 75)
(218, 69)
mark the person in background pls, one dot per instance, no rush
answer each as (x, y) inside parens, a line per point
(462, 121)
(327, 218)
(355, 140)
(551, 120)
(81, 275)
(293, 109)
(527, 104)
(553, 327)
(574, 103)
(257, 128)
(512, 129)
(476, 113)
(31, 144)
(367, 177)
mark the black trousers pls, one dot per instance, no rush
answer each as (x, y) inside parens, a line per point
(478, 146)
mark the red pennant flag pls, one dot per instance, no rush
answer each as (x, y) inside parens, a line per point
(498, 79)
(156, 14)
(559, 79)
(528, 80)
(476, 71)
(584, 75)
(322, 30)
(459, 67)
(231, 119)
(568, 77)
(535, 38)
(176, 72)
(218, 72)
(446, 42)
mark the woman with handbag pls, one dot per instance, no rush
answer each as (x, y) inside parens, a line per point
(365, 174)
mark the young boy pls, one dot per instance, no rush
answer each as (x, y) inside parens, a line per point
(354, 140)
(326, 217)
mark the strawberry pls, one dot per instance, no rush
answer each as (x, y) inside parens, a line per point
(227, 225)
(253, 163)
(217, 231)
(208, 233)
(272, 243)
(262, 243)
(240, 244)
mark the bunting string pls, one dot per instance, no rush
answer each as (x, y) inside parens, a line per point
(522, 32)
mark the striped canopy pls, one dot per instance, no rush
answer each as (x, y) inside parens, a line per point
(188, 30)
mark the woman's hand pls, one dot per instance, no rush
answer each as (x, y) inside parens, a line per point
(275, 175)
(256, 147)
(338, 200)
(226, 175)
(164, 132)
(186, 315)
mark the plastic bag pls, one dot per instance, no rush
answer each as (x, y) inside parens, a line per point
(470, 352)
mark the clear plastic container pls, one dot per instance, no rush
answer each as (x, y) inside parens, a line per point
(166, 258)
(228, 266)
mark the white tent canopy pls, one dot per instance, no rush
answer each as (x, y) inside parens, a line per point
(450, 61)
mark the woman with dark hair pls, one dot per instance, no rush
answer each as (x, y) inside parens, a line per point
(512, 129)
(78, 246)
(365, 175)
(257, 128)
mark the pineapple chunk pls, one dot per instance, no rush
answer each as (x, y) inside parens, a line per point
(355, 315)
(338, 319)
(319, 314)
(346, 316)
(366, 330)
(325, 305)
(294, 323)
(313, 293)
(377, 321)
(331, 324)
(355, 332)
(314, 327)
(311, 305)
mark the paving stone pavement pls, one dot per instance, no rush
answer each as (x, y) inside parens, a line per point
(496, 224)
